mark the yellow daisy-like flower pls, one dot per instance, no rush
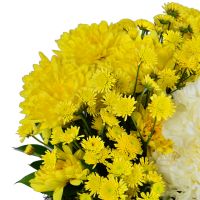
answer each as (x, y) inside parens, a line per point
(110, 98)
(55, 174)
(71, 134)
(88, 96)
(136, 177)
(147, 58)
(150, 84)
(93, 183)
(97, 123)
(108, 118)
(128, 26)
(27, 128)
(162, 19)
(103, 80)
(115, 132)
(173, 9)
(120, 167)
(167, 78)
(112, 189)
(144, 25)
(123, 107)
(161, 107)
(172, 38)
(158, 184)
(67, 136)
(147, 165)
(129, 145)
(93, 143)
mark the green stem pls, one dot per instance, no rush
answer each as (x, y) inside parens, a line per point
(152, 132)
(143, 33)
(147, 99)
(88, 131)
(41, 142)
(138, 131)
(138, 69)
(77, 145)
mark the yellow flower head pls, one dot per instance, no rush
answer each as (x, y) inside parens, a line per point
(123, 107)
(103, 80)
(167, 78)
(55, 173)
(108, 118)
(161, 107)
(150, 84)
(128, 26)
(93, 183)
(93, 143)
(172, 38)
(115, 132)
(112, 189)
(145, 25)
(137, 176)
(129, 145)
(120, 167)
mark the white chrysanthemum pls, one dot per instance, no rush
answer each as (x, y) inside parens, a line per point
(181, 169)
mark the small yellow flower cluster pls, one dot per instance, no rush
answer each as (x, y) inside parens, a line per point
(100, 102)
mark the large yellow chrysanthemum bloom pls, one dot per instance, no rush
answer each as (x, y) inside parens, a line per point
(59, 169)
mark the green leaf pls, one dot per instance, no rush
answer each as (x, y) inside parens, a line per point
(38, 150)
(26, 179)
(36, 164)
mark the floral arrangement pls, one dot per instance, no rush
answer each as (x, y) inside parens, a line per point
(116, 109)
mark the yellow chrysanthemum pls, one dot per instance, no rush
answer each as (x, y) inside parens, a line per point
(150, 84)
(157, 183)
(161, 107)
(102, 80)
(123, 107)
(27, 128)
(66, 137)
(55, 174)
(128, 26)
(167, 78)
(144, 24)
(94, 157)
(147, 165)
(173, 9)
(97, 123)
(88, 96)
(147, 58)
(129, 145)
(172, 38)
(136, 177)
(93, 183)
(120, 167)
(87, 44)
(162, 19)
(93, 143)
(115, 132)
(112, 189)
(108, 118)
(188, 56)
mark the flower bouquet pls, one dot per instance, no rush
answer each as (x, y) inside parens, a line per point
(116, 111)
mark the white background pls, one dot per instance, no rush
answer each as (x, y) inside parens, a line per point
(30, 26)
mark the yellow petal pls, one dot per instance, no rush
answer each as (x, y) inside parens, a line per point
(57, 195)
